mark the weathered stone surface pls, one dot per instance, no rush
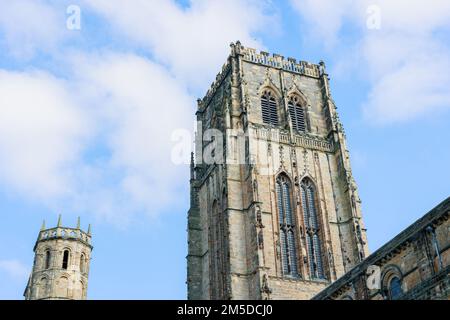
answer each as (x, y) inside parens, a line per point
(233, 227)
(418, 257)
(52, 278)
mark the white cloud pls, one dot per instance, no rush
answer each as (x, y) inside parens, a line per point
(29, 26)
(41, 133)
(418, 87)
(192, 41)
(138, 105)
(405, 58)
(97, 140)
(47, 136)
(14, 269)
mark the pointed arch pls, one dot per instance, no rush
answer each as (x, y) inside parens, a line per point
(287, 224)
(297, 112)
(269, 107)
(295, 91)
(312, 228)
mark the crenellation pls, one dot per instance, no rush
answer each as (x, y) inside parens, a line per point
(306, 156)
(61, 264)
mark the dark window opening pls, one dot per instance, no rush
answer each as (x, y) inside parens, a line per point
(65, 259)
(297, 114)
(47, 259)
(395, 288)
(269, 109)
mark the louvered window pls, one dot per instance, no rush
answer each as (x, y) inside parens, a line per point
(313, 242)
(287, 228)
(269, 108)
(297, 114)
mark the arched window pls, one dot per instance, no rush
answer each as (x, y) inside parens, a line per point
(297, 113)
(312, 227)
(269, 108)
(287, 227)
(65, 262)
(83, 263)
(47, 259)
(395, 288)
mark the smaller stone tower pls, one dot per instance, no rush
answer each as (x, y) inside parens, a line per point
(61, 264)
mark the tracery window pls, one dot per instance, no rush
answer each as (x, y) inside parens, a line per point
(269, 108)
(312, 228)
(287, 227)
(297, 114)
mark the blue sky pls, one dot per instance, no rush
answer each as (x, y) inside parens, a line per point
(87, 117)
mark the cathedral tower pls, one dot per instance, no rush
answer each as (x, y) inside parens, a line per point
(275, 212)
(61, 264)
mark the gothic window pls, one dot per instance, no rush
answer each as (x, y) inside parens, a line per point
(217, 245)
(312, 227)
(269, 108)
(47, 259)
(83, 263)
(287, 227)
(395, 288)
(65, 259)
(297, 114)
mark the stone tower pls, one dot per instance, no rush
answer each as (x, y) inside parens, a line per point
(275, 212)
(61, 264)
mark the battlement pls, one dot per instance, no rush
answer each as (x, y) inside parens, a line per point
(60, 232)
(265, 59)
(216, 84)
(278, 61)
